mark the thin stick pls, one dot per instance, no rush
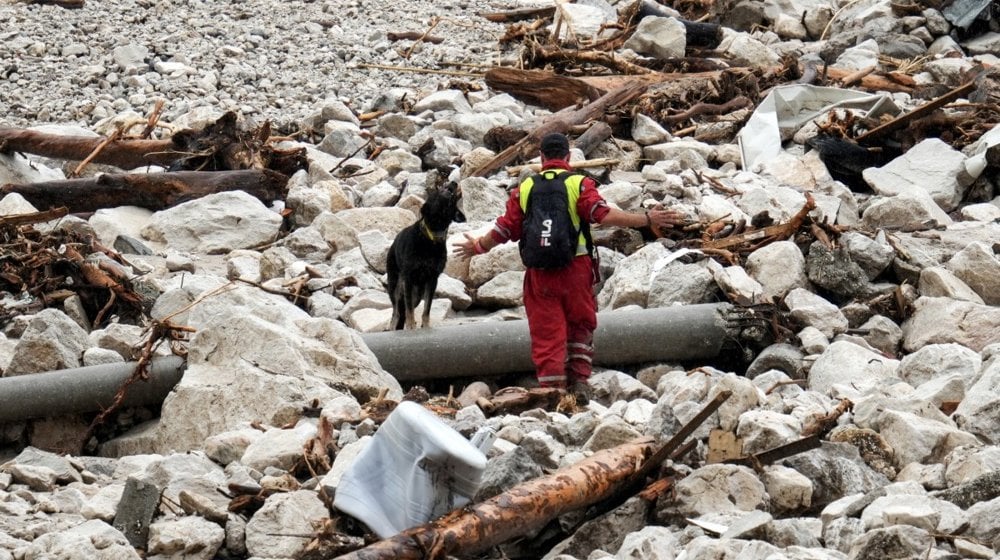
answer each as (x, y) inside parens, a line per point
(111, 138)
(434, 21)
(421, 70)
(154, 117)
(585, 164)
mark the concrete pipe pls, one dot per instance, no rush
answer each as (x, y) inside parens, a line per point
(85, 389)
(672, 334)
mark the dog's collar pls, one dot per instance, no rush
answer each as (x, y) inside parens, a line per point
(433, 235)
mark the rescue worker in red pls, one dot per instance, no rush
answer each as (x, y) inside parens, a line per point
(560, 303)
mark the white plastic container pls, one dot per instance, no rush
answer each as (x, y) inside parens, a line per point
(415, 469)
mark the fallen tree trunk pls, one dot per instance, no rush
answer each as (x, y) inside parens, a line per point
(538, 87)
(596, 133)
(126, 154)
(220, 146)
(560, 122)
(527, 507)
(68, 4)
(154, 191)
(520, 510)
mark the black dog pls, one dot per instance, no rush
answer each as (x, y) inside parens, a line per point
(418, 256)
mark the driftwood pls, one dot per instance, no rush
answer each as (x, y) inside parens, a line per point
(69, 4)
(126, 154)
(520, 510)
(520, 15)
(220, 146)
(598, 479)
(585, 164)
(560, 122)
(872, 82)
(541, 55)
(516, 399)
(596, 133)
(765, 235)
(54, 266)
(545, 89)
(154, 191)
(922, 111)
(413, 36)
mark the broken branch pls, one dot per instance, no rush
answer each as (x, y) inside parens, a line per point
(154, 191)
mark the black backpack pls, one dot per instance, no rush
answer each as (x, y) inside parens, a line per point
(549, 239)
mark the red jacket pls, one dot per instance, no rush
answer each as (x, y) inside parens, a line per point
(591, 207)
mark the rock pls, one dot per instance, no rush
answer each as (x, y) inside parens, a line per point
(92, 539)
(932, 166)
(505, 472)
(630, 284)
(187, 537)
(920, 440)
(979, 412)
(449, 100)
(940, 360)
(136, 509)
(846, 365)
(607, 532)
(814, 311)
(278, 448)
(782, 357)
(679, 283)
(216, 223)
(504, 290)
(714, 489)
(978, 267)
(904, 210)
(788, 489)
(273, 530)
(779, 267)
(835, 270)
(836, 471)
(898, 541)
(943, 320)
(937, 281)
(661, 37)
(51, 341)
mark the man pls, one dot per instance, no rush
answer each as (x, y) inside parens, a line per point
(560, 303)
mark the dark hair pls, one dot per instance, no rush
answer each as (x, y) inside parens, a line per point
(555, 145)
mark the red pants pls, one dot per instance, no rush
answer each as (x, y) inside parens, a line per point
(562, 316)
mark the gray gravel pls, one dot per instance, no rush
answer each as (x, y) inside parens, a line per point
(268, 60)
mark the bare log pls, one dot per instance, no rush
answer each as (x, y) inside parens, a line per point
(154, 191)
(560, 122)
(541, 55)
(585, 164)
(126, 154)
(545, 89)
(922, 111)
(68, 4)
(520, 15)
(767, 234)
(596, 133)
(413, 36)
(520, 510)
(871, 82)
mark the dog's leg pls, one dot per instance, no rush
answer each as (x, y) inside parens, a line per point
(398, 305)
(428, 295)
(410, 304)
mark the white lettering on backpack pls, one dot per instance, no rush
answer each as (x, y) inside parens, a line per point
(546, 233)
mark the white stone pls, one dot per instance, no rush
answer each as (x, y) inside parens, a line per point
(848, 365)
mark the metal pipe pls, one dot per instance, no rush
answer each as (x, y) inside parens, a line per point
(85, 389)
(678, 333)
(486, 348)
